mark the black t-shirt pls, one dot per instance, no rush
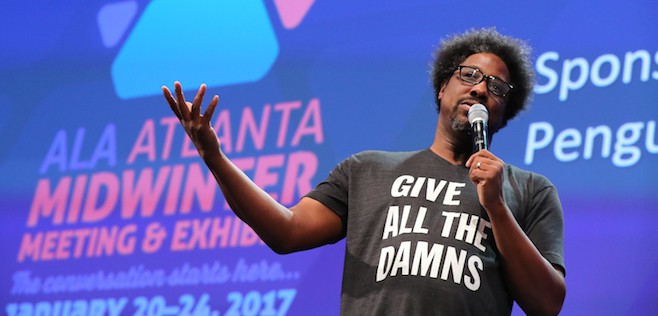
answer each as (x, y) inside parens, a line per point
(417, 240)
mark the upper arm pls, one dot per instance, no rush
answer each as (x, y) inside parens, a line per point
(312, 225)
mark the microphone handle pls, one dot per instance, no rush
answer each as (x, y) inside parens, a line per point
(479, 130)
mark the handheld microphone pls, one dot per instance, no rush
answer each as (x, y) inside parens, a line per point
(478, 116)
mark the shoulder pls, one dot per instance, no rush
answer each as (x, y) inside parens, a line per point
(375, 161)
(529, 180)
(379, 159)
(380, 156)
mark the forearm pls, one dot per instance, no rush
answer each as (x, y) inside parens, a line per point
(535, 284)
(268, 218)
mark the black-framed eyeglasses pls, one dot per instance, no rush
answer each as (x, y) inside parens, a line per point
(473, 76)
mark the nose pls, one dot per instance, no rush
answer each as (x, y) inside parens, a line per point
(479, 90)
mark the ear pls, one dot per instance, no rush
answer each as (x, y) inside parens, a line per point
(443, 87)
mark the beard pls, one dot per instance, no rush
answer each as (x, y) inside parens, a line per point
(458, 122)
(460, 125)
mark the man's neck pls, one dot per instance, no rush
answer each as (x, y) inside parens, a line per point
(453, 148)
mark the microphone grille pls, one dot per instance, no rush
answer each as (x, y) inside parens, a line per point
(478, 112)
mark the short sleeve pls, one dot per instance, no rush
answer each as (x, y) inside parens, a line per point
(545, 222)
(333, 191)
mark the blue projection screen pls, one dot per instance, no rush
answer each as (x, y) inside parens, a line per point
(108, 210)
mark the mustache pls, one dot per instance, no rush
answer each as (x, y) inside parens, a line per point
(470, 98)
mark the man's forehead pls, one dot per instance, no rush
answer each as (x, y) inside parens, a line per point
(489, 63)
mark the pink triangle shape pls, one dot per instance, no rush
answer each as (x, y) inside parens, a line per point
(292, 12)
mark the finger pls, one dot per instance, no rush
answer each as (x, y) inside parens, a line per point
(488, 155)
(472, 159)
(198, 99)
(182, 105)
(172, 102)
(207, 115)
(477, 171)
(195, 109)
(482, 155)
(476, 176)
(478, 168)
(469, 162)
(189, 105)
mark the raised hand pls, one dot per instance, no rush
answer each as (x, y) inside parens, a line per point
(197, 126)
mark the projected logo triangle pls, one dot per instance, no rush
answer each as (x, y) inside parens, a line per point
(201, 41)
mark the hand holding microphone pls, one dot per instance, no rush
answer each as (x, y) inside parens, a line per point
(486, 169)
